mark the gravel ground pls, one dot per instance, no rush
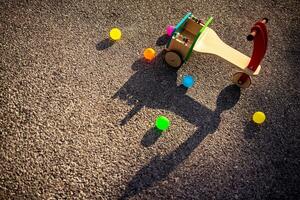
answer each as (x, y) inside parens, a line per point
(77, 112)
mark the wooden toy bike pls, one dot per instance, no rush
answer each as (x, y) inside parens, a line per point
(193, 34)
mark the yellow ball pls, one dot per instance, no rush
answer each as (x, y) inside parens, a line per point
(115, 34)
(259, 117)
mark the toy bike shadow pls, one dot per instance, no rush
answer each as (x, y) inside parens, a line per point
(154, 86)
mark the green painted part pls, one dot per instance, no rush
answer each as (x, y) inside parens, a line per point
(179, 26)
(188, 55)
(208, 22)
(169, 42)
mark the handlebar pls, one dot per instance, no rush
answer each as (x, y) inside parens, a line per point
(251, 36)
(260, 37)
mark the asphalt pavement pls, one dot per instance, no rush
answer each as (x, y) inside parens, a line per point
(77, 111)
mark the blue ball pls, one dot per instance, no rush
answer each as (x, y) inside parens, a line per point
(188, 81)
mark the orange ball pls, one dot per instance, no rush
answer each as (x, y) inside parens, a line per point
(149, 54)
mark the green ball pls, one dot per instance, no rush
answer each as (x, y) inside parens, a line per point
(162, 123)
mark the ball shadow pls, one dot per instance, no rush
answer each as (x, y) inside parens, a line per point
(151, 136)
(104, 44)
(162, 40)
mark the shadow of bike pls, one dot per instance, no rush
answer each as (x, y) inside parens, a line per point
(155, 86)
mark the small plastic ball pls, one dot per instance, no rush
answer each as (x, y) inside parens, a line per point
(162, 123)
(259, 117)
(149, 54)
(188, 81)
(170, 30)
(115, 34)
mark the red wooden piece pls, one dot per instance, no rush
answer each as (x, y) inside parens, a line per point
(260, 45)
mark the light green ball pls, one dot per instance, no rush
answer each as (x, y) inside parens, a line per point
(162, 123)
